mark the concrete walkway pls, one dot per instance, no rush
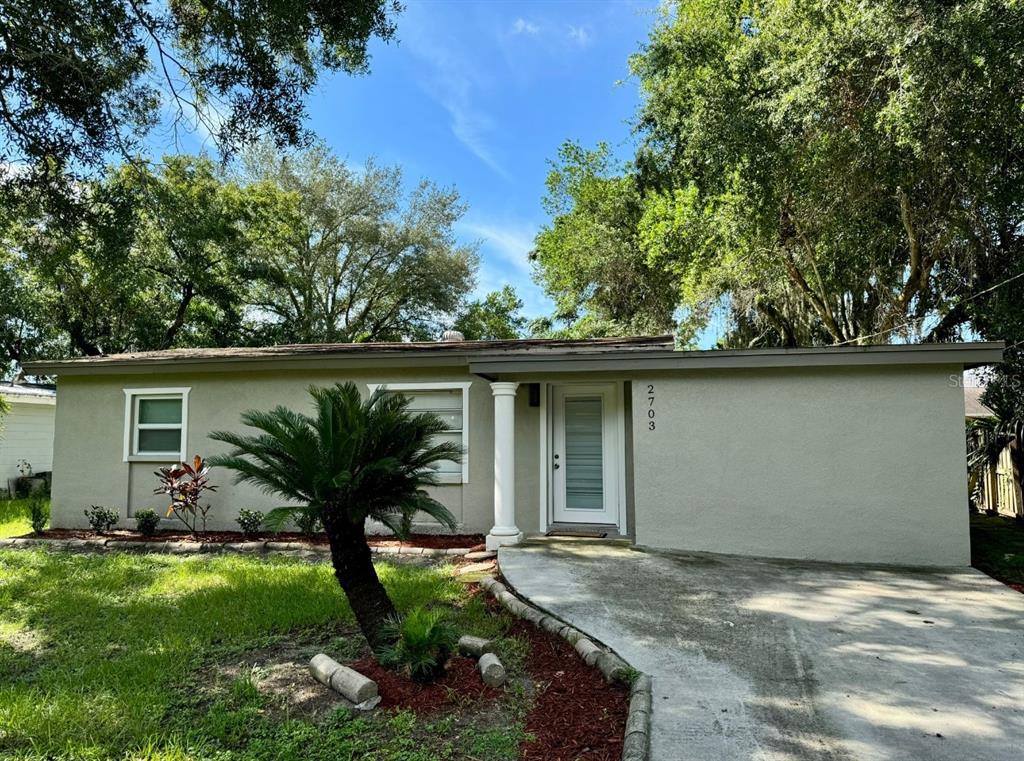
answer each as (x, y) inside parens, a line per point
(778, 660)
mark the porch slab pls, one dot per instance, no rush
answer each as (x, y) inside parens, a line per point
(778, 660)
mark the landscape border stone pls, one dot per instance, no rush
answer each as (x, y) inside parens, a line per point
(292, 549)
(637, 738)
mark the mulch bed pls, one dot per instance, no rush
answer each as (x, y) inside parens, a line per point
(575, 713)
(433, 541)
(460, 682)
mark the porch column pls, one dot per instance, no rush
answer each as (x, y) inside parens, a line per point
(504, 531)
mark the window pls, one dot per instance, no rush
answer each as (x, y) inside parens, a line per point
(450, 402)
(156, 421)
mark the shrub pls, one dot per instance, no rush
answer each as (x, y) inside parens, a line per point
(102, 519)
(423, 641)
(38, 512)
(146, 521)
(308, 522)
(185, 483)
(250, 521)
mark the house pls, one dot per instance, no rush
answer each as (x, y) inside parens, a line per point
(998, 490)
(843, 454)
(26, 431)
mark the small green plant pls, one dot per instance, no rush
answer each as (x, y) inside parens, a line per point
(38, 512)
(250, 521)
(147, 521)
(101, 519)
(421, 643)
(308, 522)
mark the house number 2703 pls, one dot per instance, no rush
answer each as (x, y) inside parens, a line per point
(650, 407)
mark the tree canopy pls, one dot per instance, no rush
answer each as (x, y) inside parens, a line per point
(297, 248)
(343, 254)
(82, 81)
(819, 172)
(496, 317)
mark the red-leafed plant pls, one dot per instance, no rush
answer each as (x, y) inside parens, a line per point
(185, 483)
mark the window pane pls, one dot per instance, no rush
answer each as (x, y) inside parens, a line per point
(449, 399)
(451, 420)
(159, 410)
(449, 466)
(583, 454)
(159, 440)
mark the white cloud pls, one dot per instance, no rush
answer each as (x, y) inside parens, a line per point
(522, 26)
(452, 82)
(580, 35)
(504, 260)
(512, 243)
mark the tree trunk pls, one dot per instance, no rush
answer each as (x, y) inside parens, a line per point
(353, 568)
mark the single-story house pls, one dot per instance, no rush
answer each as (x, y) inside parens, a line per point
(841, 454)
(998, 490)
(26, 431)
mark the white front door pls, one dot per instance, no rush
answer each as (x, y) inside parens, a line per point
(586, 454)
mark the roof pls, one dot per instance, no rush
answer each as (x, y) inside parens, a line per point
(519, 356)
(973, 408)
(29, 393)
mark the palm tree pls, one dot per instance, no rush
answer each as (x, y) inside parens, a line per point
(355, 459)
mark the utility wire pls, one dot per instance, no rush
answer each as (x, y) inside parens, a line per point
(919, 319)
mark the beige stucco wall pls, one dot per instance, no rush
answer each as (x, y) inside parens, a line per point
(843, 464)
(88, 454)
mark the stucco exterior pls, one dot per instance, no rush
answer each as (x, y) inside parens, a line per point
(840, 464)
(851, 454)
(90, 433)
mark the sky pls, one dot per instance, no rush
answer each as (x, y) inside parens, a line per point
(479, 96)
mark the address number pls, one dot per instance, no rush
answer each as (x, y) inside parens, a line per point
(651, 414)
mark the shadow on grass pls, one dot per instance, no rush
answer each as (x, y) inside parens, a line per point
(99, 652)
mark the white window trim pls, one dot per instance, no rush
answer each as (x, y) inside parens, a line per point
(444, 478)
(131, 430)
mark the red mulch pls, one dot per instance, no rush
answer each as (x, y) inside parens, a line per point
(461, 681)
(575, 714)
(434, 541)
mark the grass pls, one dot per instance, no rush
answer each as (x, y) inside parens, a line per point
(997, 547)
(14, 519)
(110, 656)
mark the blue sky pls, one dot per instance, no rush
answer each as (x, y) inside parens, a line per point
(479, 95)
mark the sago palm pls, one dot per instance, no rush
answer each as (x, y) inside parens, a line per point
(354, 459)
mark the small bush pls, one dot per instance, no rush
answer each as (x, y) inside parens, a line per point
(423, 641)
(38, 512)
(250, 521)
(102, 519)
(308, 522)
(146, 521)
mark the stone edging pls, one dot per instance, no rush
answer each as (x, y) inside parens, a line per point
(100, 543)
(636, 743)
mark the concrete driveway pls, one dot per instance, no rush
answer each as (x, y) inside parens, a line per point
(763, 659)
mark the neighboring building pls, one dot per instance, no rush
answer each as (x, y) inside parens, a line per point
(998, 491)
(842, 454)
(26, 431)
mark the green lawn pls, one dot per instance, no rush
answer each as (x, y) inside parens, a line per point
(122, 656)
(997, 548)
(14, 518)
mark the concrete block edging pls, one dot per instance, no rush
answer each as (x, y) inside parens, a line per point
(101, 543)
(636, 743)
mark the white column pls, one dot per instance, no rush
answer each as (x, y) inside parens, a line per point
(504, 531)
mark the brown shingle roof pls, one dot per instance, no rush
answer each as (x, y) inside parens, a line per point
(533, 345)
